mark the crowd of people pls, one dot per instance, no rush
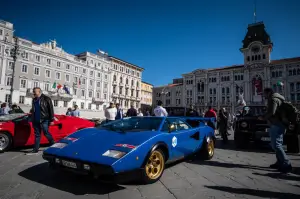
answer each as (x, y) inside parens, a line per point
(6, 109)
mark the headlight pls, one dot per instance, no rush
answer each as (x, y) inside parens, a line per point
(114, 154)
(58, 145)
(244, 124)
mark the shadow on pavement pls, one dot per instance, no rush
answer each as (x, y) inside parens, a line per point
(228, 165)
(68, 182)
(251, 147)
(279, 176)
(255, 192)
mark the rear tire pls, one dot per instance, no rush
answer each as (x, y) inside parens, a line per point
(5, 141)
(154, 167)
(208, 149)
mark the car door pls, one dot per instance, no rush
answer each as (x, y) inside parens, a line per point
(24, 133)
(183, 139)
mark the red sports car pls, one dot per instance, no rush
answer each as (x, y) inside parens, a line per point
(16, 130)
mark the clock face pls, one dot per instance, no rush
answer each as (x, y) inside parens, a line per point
(255, 49)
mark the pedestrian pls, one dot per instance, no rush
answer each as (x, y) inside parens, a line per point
(159, 111)
(4, 109)
(192, 112)
(110, 113)
(69, 112)
(131, 112)
(119, 112)
(140, 112)
(42, 117)
(277, 129)
(76, 112)
(211, 114)
(148, 113)
(15, 109)
(223, 120)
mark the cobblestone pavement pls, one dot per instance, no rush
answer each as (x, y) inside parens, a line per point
(230, 174)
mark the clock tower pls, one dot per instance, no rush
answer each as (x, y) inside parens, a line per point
(257, 45)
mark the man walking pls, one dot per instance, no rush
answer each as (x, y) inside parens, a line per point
(110, 113)
(42, 116)
(131, 112)
(76, 112)
(276, 130)
(119, 112)
(159, 111)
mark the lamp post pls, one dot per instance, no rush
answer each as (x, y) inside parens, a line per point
(14, 52)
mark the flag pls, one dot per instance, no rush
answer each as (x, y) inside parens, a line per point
(79, 81)
(59, 86)
(279, 83)
(54, 85)
(66, 89)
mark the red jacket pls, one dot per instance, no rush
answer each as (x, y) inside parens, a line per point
(211, 113)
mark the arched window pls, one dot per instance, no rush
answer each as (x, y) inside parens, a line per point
(115, 78)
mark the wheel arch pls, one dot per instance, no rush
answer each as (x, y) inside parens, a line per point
(159, 145)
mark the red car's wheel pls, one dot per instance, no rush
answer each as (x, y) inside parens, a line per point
(5, 141)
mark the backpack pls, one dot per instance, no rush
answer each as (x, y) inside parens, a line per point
(289, 114)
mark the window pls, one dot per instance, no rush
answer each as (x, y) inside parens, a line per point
(82, 105)
(37, 71)
(7, 98)
(105, 77)
(137, 93)
(21, 99)
(24, 69)
(90, 106)
(115, 78)
(76, 69)
(99, 75)
(91, 83)
(264, 56)
(98, 84)
(47, 86)
(65, 104)
(1, 32)
(105, 85)
(10, 65)
(138, 74)
(248, 58)
(82, 93)
(105, 95)
(98, 95)
(35, 84)
(58, 64)
(84, 70)
(68, 67)
(55, 103)
(48, 61)
(57, 75)
(67, 78)
(48, 73)
(23, 83)
(132, 82)
(97, 106)
(90, 93)
(8, 81)
(25, 55)
(37, 58)
(114, 89)
(83, 81)
(91, 73)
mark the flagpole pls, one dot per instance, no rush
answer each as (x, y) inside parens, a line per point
(254, 14)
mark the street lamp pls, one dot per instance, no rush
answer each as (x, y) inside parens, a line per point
(14, 52)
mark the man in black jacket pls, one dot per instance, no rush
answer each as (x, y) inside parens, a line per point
(42, 117)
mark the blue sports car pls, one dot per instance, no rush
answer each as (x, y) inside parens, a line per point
(136, 144)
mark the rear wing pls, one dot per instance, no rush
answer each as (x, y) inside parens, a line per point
(196, 121)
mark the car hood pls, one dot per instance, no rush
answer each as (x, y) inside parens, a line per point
(90, 144)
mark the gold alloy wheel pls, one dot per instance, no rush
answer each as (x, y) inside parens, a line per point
(155, 165)
(210, 148)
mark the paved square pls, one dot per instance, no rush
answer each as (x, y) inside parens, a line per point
(230, 174)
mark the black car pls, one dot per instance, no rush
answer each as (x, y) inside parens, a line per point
(292, 138)
(247, 127)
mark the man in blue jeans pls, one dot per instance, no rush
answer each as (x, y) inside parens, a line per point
(276, 130)
(42, 116)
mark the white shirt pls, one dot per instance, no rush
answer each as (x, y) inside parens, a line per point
(110, 113)
(159, 111)
(140, 114)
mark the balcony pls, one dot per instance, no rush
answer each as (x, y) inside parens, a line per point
(114, 95)
(133, 87)
(138, 88)
(132, 97)
(122, 96)
(97, 101)
(114, 83)
(127, 85)
(127, 97)
(121, 84)
(138, 99)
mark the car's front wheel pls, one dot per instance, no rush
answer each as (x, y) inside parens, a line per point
(5, 141)
(154, 166)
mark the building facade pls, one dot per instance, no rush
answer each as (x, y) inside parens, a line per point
(85, 79)
(126, 83)
(221, 87)
(146, 96)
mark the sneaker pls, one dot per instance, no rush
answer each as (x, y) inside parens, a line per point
(274, 166)
(286, 169)
(33, 152)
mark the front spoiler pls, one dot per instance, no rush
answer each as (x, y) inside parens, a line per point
(98, 171)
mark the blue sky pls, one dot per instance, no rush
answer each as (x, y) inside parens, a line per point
(167, 38)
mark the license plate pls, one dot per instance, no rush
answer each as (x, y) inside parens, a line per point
(69, 164)
(266, 139)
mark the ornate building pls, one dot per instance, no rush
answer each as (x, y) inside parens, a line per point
(146, 96)
(85, 79)
(220, 87)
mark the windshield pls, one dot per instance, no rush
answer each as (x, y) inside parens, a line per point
(134, 124)
(9, 117)
(254, 110)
